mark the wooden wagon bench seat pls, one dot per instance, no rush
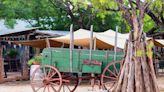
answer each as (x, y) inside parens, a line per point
(92, 62)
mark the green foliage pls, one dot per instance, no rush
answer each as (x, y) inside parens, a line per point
(30, 61)
(12, 53)
(48, 15)
(36, 59)
(148, 23)
(41, 11)
(103, 4)
(155, 7)
(10, 23)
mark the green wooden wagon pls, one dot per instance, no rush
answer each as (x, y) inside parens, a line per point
(61, 69)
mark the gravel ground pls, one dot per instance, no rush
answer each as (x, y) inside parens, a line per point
(24, 86)
(160, 81)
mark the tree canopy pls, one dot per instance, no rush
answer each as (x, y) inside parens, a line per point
(59, 14)
(153, 20)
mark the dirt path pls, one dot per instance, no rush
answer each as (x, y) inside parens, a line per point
(24, 86)
(160, 81)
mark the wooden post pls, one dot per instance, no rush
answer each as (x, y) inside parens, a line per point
(115, 47)
(1, 66)
(37, 49)
(91, 41)
(94, 44)
(47, 43)
(1, 70)
(25, 73)
(90, 54)
(71, 46)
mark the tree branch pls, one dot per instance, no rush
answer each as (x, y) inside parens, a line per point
(162, 16)
(126, 12)
(113, 10)
(151, 31)
(132, 7)
(137, 3)
(152, 15)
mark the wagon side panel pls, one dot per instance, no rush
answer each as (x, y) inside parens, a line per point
(61, 58)
(47, 58)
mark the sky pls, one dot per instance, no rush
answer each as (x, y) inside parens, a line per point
(20, 25)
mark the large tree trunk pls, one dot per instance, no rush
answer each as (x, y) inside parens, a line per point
(137, 74)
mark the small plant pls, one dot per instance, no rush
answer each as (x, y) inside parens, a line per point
(13, 53)
(36, 60)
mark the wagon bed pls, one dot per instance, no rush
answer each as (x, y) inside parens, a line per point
(64, 67)
(61, 59)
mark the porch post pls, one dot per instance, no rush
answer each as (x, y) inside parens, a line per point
(1, 65)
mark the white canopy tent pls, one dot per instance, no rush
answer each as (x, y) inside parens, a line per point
(102, 40)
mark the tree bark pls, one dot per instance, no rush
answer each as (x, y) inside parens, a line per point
(137, 74)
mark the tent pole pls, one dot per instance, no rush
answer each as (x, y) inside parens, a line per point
(91, 42)
(71, 46)
(115, 47)
(90, 55)
(94, 44)
(47, 43)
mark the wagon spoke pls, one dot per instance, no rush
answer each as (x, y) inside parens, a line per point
(68, 87)
(54, 84)
(39, 88)
(44, 89)
(53, 75)
(53, 88)
(49, 72)
(70, 82)
(48, 88)
(50, 79)
(54, 79)
(41, 76)
(110, 77)
(112, 72)
(110, 82)
(44, 72)
(115, 69)
(63, 89)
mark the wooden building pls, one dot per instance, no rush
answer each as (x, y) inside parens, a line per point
(6, 36)
(25, 52)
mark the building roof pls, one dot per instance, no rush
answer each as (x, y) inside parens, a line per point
(10, 32)
(53, 32)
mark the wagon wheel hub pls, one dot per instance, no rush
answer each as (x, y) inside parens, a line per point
(46, 81)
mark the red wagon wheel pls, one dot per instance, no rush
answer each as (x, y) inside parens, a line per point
(46, 79)
(110, 74)
(71, 82)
